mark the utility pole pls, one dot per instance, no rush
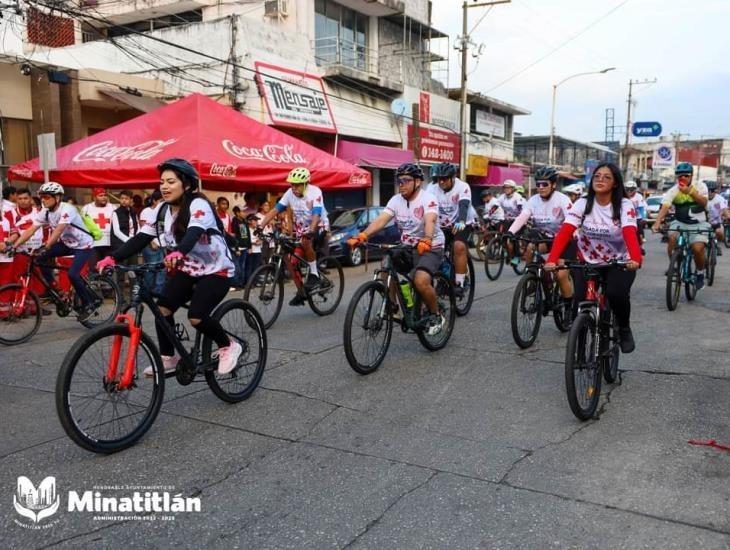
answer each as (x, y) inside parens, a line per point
(625, 156)
(464, 41)
(236, 103)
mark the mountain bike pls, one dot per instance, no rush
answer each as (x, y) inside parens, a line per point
(265, 288)
(536, 295)
(681, 269)
(21, 311)
(496, 255)
(593, 348)
(373, 308)
(465, 300)
(112, 381)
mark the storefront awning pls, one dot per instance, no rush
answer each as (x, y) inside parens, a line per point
(376, 156)
(497, 175)
(140, 103)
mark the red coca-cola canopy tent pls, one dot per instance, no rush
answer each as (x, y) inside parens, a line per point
(232, 152)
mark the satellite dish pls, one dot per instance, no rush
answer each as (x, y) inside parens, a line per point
(398, 107)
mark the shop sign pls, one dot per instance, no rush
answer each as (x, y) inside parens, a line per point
(436, 145)
(489, 123)
(664, 156)
(295, 99)
(477, 165)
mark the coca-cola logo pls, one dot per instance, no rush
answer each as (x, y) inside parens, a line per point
(358, 178)
(224, 170)
(279, 154)
(108, 151)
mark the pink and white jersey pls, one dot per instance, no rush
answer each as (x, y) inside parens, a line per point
(493, 211)
(512, 206)
(600, 237)
(74, 236)
(24, 221)
(548, 215)
(102, 215)
(449, 202)
(210, 254)
(715, 206)
(410, 215)
(303, 208)
(6, 231)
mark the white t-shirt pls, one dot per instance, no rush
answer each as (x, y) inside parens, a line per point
(716, 205)
(72, 236)
(640, 204)
(23, 222)
(303, 208)
(600, 237)
(210, 254)
(147, 217)
(4, 234)
(548, 215)
(102, 215)
(410, 215)
(512, 205)
(449, 202)
(493, 211)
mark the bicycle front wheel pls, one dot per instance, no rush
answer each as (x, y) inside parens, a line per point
(674, 280)
(242, 323)
(20, 318)
(326, 297)
(464, 303)
(526, 314)
(711, 262)
(582, 370)
(447, 308)
(107, 300)
(368, 328)
(494, 258)
(265, 292)
(94, 412)
(690, 286)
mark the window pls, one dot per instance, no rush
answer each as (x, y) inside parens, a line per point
(340, 35)
(172, 20)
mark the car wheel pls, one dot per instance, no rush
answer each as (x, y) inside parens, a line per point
(354, 257)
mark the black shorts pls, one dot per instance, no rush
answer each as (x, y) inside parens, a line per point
(430, 262)
(204, 293)
(464, 235)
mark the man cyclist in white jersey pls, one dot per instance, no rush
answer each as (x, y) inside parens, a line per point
(455, 215)
(719, 212)
(416, 215)
(511, 201)
(492, 213)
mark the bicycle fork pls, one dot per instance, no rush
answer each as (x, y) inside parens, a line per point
(135, 335)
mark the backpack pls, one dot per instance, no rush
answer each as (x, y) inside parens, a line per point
(230, 240)
(91, 228)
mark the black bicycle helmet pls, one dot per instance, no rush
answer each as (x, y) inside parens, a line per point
(711, 185)
(443, 170)
(684, 168)
(486, 192)
(187, 171)
(546, 173)
(409, 169)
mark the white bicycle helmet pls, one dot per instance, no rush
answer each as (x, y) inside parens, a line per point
(573, 188)
(51, 188)
(631, 184)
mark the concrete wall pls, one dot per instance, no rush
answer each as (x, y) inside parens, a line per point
(14, 93)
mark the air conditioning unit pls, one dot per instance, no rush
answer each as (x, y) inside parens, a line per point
(276, 8)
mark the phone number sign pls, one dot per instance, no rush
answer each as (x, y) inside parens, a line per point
(435, 145)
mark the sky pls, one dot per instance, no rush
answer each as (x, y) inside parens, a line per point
(681, 43)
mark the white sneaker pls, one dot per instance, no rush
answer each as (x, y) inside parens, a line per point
(436, 325)
(228, 357)
(169, 364)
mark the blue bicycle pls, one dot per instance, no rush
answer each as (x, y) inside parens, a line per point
(682, 270)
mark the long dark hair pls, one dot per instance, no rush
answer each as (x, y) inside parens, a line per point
(617, 194)
(190, 193)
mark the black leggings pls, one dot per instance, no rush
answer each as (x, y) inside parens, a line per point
(204, 293)
(618, 290)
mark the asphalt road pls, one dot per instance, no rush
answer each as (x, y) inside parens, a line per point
(470, 447)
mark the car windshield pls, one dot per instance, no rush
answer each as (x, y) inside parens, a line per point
(653, 201)
(347, 218)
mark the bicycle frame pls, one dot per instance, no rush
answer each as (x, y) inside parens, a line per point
(284, 258)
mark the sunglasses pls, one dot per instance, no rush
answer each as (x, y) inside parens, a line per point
(683, 177)
(404, 181)
(541, 184)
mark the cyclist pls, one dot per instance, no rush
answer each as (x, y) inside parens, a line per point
(606, 224)
(637, 199)
(310, 221)
(416, 214)
(510, 200)
(456, 215)
(719, 212)
(68, 238)
(200, 262)
(492, 213)
(690, 205)
(547, 210)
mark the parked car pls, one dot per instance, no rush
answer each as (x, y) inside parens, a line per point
(345, 224)
(653, 204)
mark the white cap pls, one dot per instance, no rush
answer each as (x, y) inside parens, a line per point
(509, 183)
(631, 184)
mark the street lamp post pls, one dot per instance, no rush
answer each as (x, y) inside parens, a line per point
(551, 159)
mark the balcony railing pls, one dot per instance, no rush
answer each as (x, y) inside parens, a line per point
(334, 50)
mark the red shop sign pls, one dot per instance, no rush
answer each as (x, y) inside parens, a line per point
(436, 145)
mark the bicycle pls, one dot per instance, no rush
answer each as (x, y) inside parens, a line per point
(711, 260)
(105, 400)
(372, 310)
(465, 301)
(592, 351)
(536, 295)
(265, 288)
(496, 254)
(681, 269)
(21, 311)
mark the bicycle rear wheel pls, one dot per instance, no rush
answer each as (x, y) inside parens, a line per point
(464, 303)
(674, 280)
(447, 308)
(368, 328)
(711, 262)
(94, 413)
(494, 258)
(526, 314)
(242, 324)
(107, 299)
(690, 287)
(582, 369)
(19, 320)
(326, 297)
(266, 293)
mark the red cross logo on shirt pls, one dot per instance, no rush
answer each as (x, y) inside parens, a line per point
(64, 217)
(101, 220)
(198, 214)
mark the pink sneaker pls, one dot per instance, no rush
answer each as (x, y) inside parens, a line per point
(228, 357)
(169, 364)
